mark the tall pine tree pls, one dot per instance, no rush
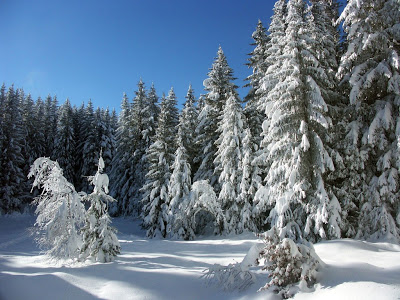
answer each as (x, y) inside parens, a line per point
(219, 86)
(160, 157)
(369, 70)
(294, 134)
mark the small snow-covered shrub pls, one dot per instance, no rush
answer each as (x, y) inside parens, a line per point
(230, 277)
(289, 263)
(235, 276)
(199, 203)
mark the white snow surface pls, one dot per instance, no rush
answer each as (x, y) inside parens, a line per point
(171, 269)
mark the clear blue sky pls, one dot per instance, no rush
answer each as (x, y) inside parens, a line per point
(98, 49)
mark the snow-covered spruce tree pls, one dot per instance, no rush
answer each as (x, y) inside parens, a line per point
(100, 241)
(12, 177)
(369, 69)
(160, 157)
(219, 86)
(178, 191)
(228, 162)
(138, 164)
(272, 66)
(50, 116)
(107, 139)
(294, 133)
(257, 61)
(89, 146)
(250, 182)
(30, 125)
(40, 147)
(121, 176)
(80, 134)
(64, 143)
(187, 125)
(150, 117)
(60, 211)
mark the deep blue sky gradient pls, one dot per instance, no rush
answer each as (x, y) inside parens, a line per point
(98, 49)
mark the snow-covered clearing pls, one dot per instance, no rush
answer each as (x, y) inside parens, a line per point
(170, 269)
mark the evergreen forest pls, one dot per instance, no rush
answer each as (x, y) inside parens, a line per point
(313, 149)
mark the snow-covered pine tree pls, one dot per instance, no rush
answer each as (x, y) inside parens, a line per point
(29, 126)
(150, 117)
(257, 61)
(80, 135)
(90, 145)
(294, 133)
(228, 163)
(160, 157)
(50, 123)
(370, 71)
(60, 211)
(219, 86)
(187, 126)
(34, 139)
(322, 18)
(12, 177)
(121, 176)
(100, 241)
(272, 65)
(250, 182)
(138, 163)
(2, 118)
(107, 141)
(178, 190)
(40, 147)
(64, 143)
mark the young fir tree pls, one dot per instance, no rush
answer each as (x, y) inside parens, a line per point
(187, 126)
(228, 163)
(89, 145)
(60, 211)
(100, 241)
(178, 190)
(12, 177)
(295, 131)
(80, 134)
(121, 171)
(64, 143)
(150, 117)
(250, 182)
(50, 123)
(160, 157)
(107, 141)
(219, 86)
(28, 121)
(369, 69)
(138, 164)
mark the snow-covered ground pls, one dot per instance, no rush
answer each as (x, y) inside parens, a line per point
(166, 269)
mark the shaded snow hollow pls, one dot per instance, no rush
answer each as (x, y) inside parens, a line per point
(170, 269)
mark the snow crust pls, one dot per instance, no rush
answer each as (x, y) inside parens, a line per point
(171, 269)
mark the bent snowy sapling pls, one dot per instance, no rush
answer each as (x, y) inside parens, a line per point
(60, 211)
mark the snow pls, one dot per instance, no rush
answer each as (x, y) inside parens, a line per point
(171, 269)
